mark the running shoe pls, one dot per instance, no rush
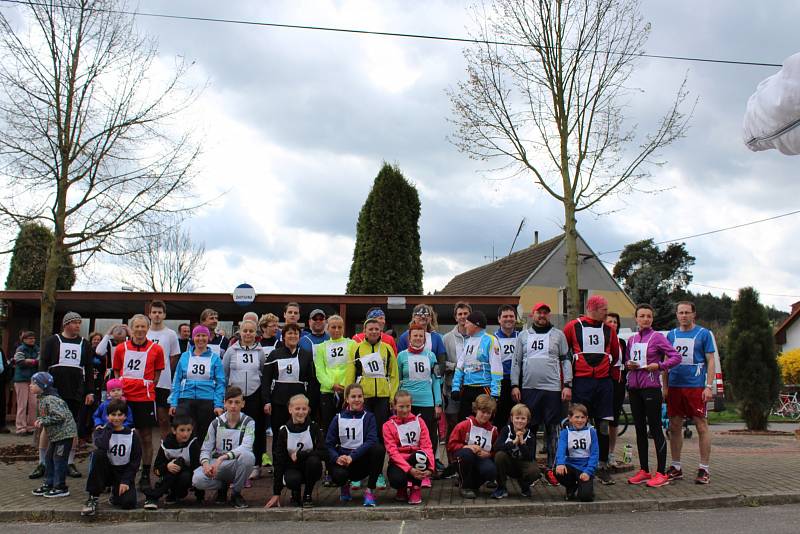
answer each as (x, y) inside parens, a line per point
(41, 490)
(499, 493)
(525, 490)
(450, 471)
(381, 484)
(308, 502)
(90, 508)
(702, 477)
(238, 501)
(57, 492)
(150, 504)
(266, 459)
(170, 498)
(657, 480)
(550, 477)
(673, 473)
(38, 472)
(369, 499)
(639, 478)
(344, 494)
(426, 483)
(492, 484)
(439, 466)
(402, 495)
(355, 485)
(604, 476)
(415, 497)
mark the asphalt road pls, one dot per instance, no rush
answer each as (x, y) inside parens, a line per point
(772, 519)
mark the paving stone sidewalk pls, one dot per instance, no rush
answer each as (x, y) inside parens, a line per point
(742, 467)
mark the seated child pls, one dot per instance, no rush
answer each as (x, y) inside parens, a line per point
(408, 445)
(471, 444)
(577, 455)
(227, 453)
(175, 462)
(100, 416)
(53, 414)
(515, 454)
(353, 447)
(114, 462)
(298, 455)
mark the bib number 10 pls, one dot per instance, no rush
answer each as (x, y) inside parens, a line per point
(373, 366)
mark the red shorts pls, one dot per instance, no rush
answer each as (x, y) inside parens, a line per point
(685, 402)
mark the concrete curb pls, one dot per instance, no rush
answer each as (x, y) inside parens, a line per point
(407, 513)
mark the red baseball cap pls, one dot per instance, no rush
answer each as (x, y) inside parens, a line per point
(539, 306)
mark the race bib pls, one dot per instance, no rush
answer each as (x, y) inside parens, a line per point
(419, 367)
(227, 438)
(119, 448)
(69, 354)
(507, 346)
(199, 368)
(372, 366)
(409, 433)
(299, 441)
(538, 345)
(579, 443)
(480, 437)
(639, 354)
(351, 433)
(288, 370)
(594, 341)
(247, 360)
(134, 363)
(336, 354)
(471, 361)
(685, 347)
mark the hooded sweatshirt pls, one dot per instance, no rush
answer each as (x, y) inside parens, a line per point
(405, 435)
(578, 449)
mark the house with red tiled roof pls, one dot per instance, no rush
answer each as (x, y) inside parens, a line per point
(537, 274)
(787, 336)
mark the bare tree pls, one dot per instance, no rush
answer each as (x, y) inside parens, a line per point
(88, 144)
(169, 262)
(549, 103)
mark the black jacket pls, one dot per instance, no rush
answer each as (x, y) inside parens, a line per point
(281, 460)
(505, 442)
(278, 392)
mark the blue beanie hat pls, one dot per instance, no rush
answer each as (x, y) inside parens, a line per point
(43, 380)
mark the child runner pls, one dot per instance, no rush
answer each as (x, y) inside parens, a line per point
(54, 415)
(115, 461)
(471, 443)
(243, 363)
(577, 455)
(114, 391)
(648, 355)
(299, 453)
(353, 446)
(26, 362)
(177, 458)
(408, 445)
(420, 376)
(515, 454)
(227, 453)
(198, 386)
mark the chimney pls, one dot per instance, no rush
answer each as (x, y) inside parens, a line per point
(536, 239)
(795, 306)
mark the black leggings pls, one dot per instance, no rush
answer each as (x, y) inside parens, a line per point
(646, 411)
(428, 414)
(399, 479)
(307, 472)
(369, 464)
(329, 405)
(584, 491)
(254, 407)
(468, 395)
(379, 406)
(202, 413)
(277, 418)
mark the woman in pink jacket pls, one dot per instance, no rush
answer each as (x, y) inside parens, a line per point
(647, 356)
(408, 445)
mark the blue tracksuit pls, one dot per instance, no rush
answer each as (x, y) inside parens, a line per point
(212, 389)
(579, 449)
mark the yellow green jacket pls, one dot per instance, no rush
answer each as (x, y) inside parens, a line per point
(331, 359)
(374, 387)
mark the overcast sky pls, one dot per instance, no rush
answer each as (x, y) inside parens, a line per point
(297, 123)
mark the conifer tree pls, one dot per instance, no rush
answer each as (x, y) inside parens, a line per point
(29, 259)
(386, 259)
(751, 365)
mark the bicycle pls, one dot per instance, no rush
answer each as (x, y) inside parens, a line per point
(789, 406)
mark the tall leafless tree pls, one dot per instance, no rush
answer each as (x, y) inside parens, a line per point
(549, 103)
(170, 262)
(89, 141)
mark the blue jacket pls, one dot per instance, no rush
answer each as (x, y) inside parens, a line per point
(308, 340)
(100, 416)
(437, 344)
(212, 389)
(482, 367)
(566, 453)
(424, 393)
(332, 439)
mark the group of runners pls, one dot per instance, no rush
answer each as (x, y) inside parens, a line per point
(336, 407)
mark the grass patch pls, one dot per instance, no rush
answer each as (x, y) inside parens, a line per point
(731, 415)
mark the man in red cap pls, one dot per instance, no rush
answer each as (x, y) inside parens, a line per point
(541, 378)
(595, 347)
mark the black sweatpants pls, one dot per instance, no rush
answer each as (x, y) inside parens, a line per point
(428, 414)
(102, 475)
(304, 473)
(399, 479)
(369, 465)
(177, 485)
(575, 486)
(646, 411)
(504, 404)
(468, 395)
(474, 470)
(202, 413)
(329, 405)
(254, 407)
(523, 470)
(379, 406)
